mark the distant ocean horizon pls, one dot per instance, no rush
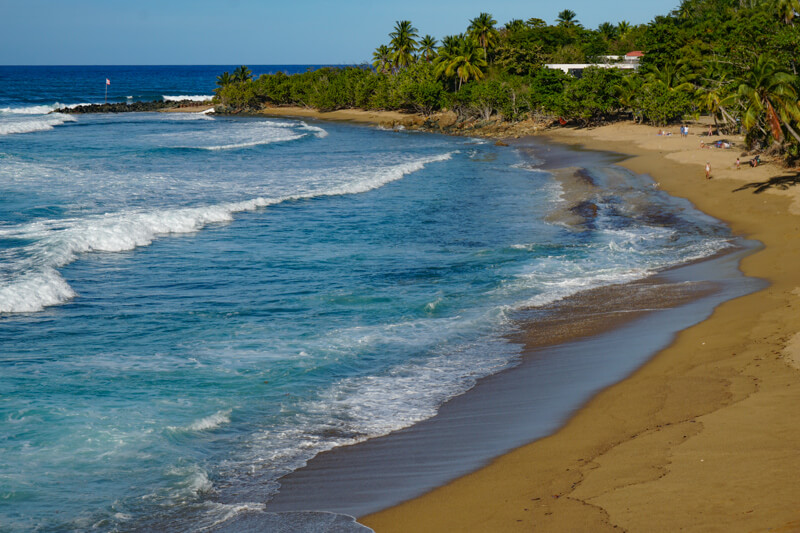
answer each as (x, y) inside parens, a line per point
(192, 306)
(77, 84)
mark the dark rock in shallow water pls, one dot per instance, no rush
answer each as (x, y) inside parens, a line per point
(122, 107)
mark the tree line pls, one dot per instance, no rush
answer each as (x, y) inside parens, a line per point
(735, 60)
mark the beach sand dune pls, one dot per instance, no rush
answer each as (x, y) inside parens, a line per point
(702, 438)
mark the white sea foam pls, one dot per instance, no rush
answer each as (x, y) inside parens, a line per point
(246, 134)
(189, 97)
(37, 109)
(57, 243)
(34, 291)
(358, 408)
(214, 421)
(191, 481)
(30, 125)
(247, 144)
(318, 132)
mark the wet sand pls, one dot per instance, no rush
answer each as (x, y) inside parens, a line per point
(573, 348)
(701, 438)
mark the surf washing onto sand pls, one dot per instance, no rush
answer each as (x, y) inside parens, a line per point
(190, 301)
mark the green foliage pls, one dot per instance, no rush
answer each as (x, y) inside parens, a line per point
(736, 60)
(242, 74)
(403, 44)
(239, 95)
(592, 98)
(419, 88)
(659, 105)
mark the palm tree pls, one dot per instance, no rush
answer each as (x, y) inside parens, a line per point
(482, 29)
(629, 91)
(671, 77)
(535, 23)
(716, 101)
(403, 43)
(242, 74)
(768, 97)
(427, 48)
(461, 57)
(567, 18)
(623, 28)
(607, 30)
(717, 94)
(224, 79)
(515, 25)
(382, 58)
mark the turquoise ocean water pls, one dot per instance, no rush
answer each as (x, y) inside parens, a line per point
(187, 300)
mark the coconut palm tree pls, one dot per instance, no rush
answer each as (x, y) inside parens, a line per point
(623, 28)
(567, 18)
(629, 90)
(461, 57)
(382, 58)
(607, 30)
(535, 23)
(716, 101)
(671, 77)
(224, 79)
(515, 25)
(769, 99)
(242, 74)
(427, 48)
(403, 43)
(482, 29)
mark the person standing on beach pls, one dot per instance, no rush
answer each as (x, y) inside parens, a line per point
(737, 163)
(708, 170)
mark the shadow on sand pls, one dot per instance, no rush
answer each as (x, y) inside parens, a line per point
(779, 182)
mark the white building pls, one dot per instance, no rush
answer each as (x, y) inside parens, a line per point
(629, 61)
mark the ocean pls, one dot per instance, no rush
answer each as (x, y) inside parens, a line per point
(189, 302)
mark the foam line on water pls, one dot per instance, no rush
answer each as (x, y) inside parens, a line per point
(35, 283)
(30, 125)
(248, 144)
(36, 109)
(189, 97)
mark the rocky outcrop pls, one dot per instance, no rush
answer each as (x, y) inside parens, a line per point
(122, 107)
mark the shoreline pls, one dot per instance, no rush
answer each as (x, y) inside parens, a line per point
(699, 438)
(529, 399)
(327, 482)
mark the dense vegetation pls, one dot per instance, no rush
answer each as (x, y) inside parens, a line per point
(735, 60)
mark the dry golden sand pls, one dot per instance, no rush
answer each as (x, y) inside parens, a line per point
(706, 436)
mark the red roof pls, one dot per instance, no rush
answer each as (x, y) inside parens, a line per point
(635, 53)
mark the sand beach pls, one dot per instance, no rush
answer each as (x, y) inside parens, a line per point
(701, 438)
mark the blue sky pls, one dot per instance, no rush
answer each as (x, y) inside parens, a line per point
(146, 32)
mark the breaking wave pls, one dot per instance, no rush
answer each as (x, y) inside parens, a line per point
(189, 97)
(30, 125)
(35, 283)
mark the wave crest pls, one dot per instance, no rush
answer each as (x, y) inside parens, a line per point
(44, 123)
(57, 243)
(189, 97)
